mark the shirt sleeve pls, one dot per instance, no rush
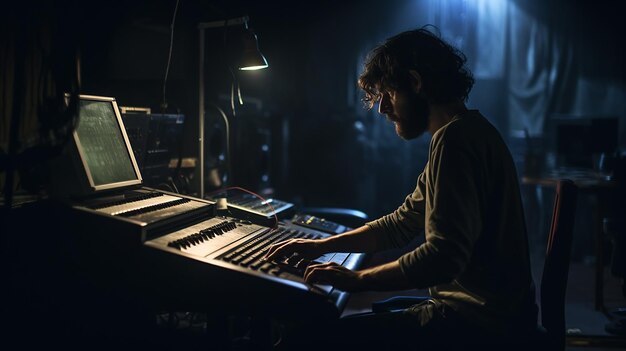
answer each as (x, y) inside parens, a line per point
(399, 227)
(453, 222)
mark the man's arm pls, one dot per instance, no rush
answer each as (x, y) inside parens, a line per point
(406, 222)
(362, 239)
(385, 277)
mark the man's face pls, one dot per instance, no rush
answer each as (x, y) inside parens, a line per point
(407, 110)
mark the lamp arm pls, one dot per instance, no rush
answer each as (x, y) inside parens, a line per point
(227, 125)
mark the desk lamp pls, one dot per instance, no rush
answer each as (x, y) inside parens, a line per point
(250, 59)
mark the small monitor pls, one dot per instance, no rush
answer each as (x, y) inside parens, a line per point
(100, 158)
(103, 145)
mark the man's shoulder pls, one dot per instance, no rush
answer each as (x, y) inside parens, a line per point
(468, 131)
(468, 119)
(459, 128)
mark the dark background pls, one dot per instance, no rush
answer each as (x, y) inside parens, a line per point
(325, 148)
(303, 134)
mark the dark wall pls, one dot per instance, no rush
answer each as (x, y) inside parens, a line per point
(325, 148)
(303, 99)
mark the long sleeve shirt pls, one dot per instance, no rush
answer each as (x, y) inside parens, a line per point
(467, 202)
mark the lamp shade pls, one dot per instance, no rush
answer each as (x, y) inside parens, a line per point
(251, 57)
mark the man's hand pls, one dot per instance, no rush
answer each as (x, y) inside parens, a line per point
(306, 248)
(331, 273)
(387, 276)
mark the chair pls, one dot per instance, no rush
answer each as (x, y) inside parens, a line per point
(550, 334)
(348, 217)
(615, 229)
(556, 264)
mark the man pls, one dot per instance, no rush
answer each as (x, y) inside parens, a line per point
(474, 259)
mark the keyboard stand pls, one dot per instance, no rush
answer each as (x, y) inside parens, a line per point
(217, 331)
(261, 333)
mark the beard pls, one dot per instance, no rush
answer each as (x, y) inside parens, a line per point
(413, 118)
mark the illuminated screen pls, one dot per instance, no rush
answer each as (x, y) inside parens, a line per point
(103, 145)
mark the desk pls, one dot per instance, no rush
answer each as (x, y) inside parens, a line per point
(599, 189)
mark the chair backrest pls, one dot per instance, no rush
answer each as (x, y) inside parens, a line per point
(346, 216)
(557, 261)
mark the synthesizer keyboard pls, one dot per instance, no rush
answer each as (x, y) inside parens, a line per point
(218, 261)
(150, 207)
(260, 211)
(134, 216)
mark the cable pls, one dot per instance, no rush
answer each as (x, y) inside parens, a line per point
(165, 185)
(171, 180)
(235, 83)
(169, 56)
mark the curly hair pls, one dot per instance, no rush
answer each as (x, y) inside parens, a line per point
(445, 78)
